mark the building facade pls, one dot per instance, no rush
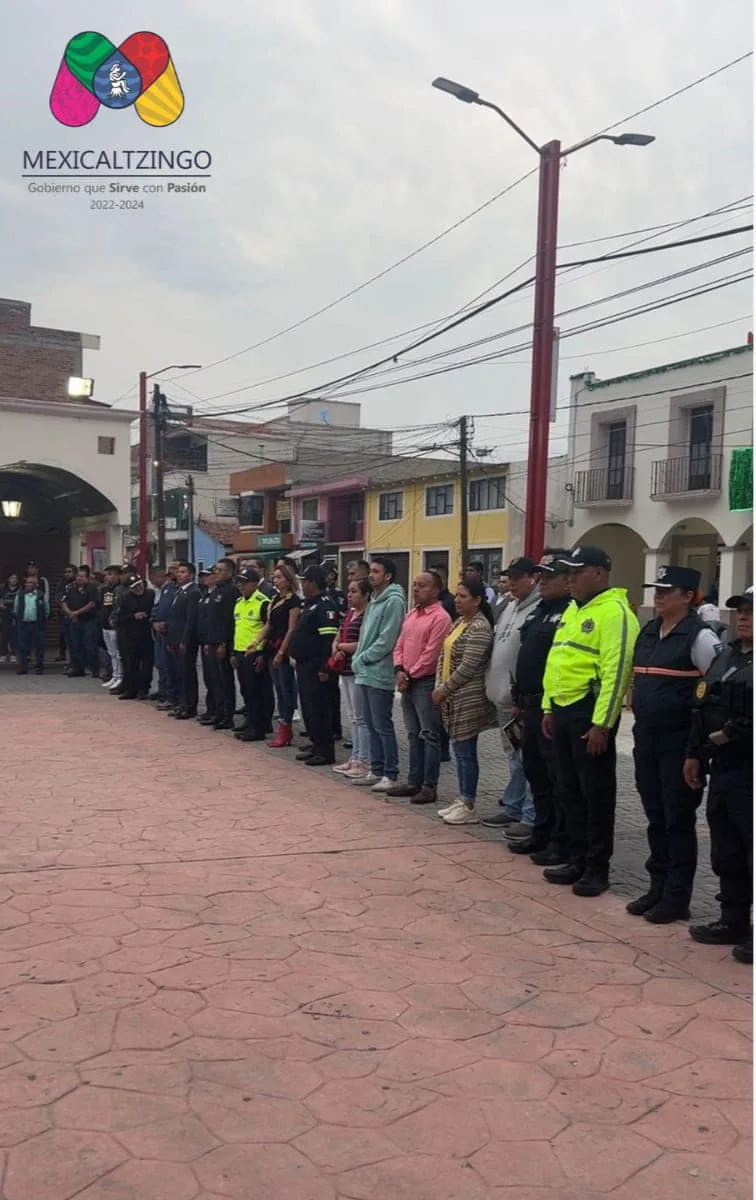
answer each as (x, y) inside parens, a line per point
(64, 462)
(656, 464)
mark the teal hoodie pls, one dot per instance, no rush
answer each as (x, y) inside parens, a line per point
(373, 661)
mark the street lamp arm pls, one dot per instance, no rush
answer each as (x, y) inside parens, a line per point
(620, 139)
(513, 124)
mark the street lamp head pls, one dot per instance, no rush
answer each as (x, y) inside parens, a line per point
(633, 139)
(458, 90)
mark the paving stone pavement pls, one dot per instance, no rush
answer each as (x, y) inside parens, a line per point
(222, 975)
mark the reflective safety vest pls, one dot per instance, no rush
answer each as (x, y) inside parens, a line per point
(250, 615)
(664, 674)
(592, 656)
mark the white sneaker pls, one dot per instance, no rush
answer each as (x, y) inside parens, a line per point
(357, 770)
(107, 683)
(384, 784)
(112, 684)
(343, 768)
(442, 812)
(366, 780)
(462, 816)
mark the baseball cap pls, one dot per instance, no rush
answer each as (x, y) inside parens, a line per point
(522, 566)
(553, 564)
(677, 577)
(133, 581)
(249, 575)
(746, 598)
(587, 556)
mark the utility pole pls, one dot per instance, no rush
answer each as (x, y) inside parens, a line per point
(543, 350)
(143, 509)
(158, 417)
(464, 475)
(550, 158)
(190, 514)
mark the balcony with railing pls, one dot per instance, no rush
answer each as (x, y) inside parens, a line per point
(611, 486)
(680, 477)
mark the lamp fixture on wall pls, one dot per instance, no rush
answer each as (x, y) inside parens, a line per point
(11, 509)
(80, 389)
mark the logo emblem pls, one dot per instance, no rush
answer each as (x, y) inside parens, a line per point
(661, 573)
(701, 690)
(588, 626)
(94, 73)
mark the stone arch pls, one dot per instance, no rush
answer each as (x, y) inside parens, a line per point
(627, 551)
(694, 542)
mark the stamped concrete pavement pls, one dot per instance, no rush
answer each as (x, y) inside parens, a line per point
(223, 976)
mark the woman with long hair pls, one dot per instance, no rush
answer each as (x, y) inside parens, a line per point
(344, 646)
(461, 693)
(283, 616)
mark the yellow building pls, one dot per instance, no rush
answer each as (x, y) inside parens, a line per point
(413, 514)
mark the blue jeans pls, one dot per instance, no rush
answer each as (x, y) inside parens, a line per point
(285, 684)
(84, 635)
(167, 669)
(377, 709)
(423, 724)
(31, 638)
(351, 709)
(466, 757)
(517, 798)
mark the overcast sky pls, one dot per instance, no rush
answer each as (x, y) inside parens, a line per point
(333, 158)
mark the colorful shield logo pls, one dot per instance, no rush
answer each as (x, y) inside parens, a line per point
(95, 73)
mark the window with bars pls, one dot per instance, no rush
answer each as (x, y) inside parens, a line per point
(617, 457)
(699, 451)
(251, 512)
(310, 509)
(439, 500)
(391, 506)
(487, 494)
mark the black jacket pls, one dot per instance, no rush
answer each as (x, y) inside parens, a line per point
(723, 705)
(446, 600)
(318, 625)
(664, 674)
(536, 637)
(220, 618)
(125, 616)
(182, 619)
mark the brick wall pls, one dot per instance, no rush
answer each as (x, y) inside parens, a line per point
(35, 363)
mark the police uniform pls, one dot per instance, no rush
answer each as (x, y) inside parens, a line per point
(310, 647)
(220, 632)
(201, 615)
(586, 677)
(250, 617)
(666, 669)
(721, 740)
(548, 841)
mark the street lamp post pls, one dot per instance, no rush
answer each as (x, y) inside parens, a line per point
(143, 440)
(550, 158)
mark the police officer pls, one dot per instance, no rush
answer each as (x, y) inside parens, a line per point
(547, 845)
(310, 647)
(201, 618)
(673, 651)
(587, 673)
(721, 740)
(220, 639)
(250, 618)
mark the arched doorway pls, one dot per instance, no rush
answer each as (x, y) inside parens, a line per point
(694, 542)
(61, 519)
(626, 549)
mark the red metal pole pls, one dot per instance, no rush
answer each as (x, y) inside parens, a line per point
(543, 350)
(143, 510)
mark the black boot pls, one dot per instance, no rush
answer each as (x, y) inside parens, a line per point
(644, 903)
(743, 953)
(548, 857)
(667, 911)
(527, 846)
(721, 933)
(591, 883)
(567, 874)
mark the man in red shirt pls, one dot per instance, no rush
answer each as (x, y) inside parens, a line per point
(416, 655)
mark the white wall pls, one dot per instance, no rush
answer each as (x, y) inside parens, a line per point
(64, 437)
(654, 395)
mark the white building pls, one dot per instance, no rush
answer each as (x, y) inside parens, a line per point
(652, 462)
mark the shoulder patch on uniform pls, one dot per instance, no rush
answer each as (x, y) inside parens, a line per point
(701, 690)
(588, 626)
